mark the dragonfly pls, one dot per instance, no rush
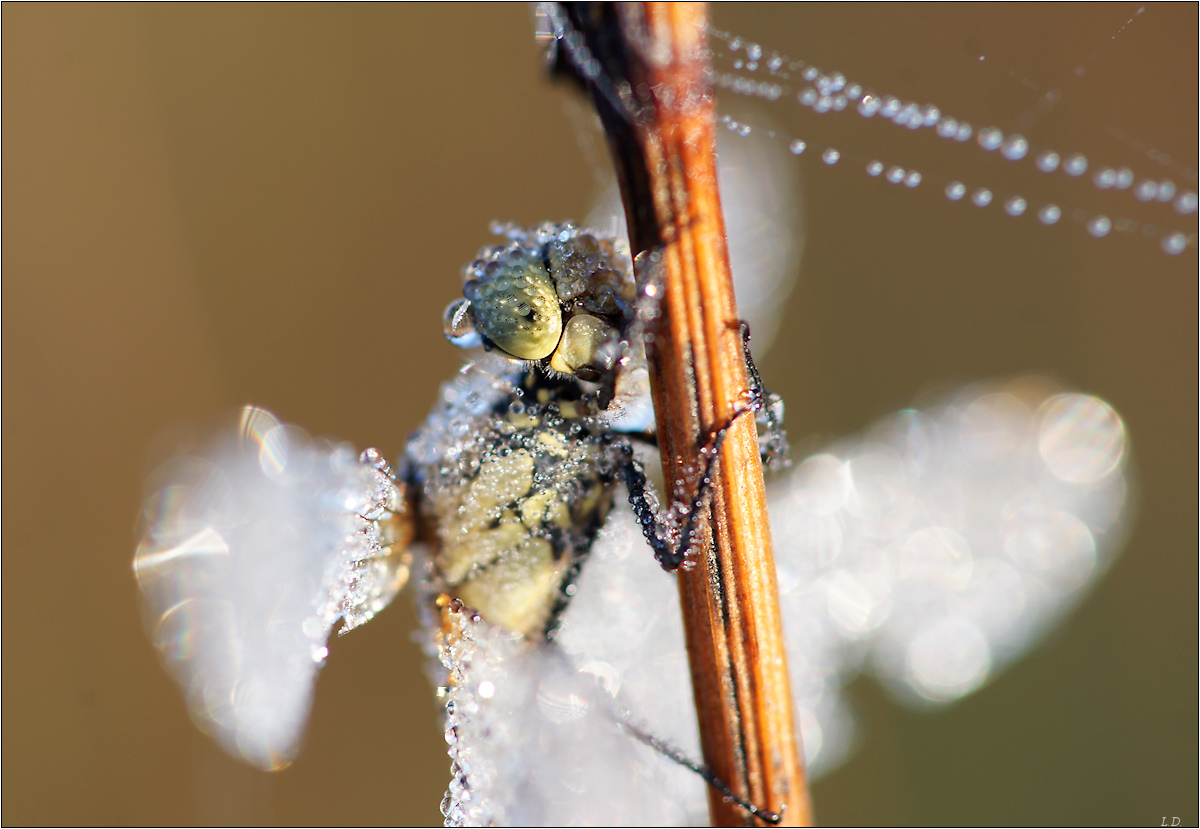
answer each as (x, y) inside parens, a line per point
(931, 553)
(1031, 402)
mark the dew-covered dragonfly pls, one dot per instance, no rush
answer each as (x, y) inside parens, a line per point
(930, 552)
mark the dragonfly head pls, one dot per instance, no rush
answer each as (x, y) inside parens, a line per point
(558, 296)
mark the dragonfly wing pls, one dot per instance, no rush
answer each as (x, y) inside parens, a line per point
(760, 199)
(930, 552)
(942, 544)
(250, 552)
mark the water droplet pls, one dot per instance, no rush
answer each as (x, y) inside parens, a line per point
(1174, 243)
(868, 106)
(912, 179)
(1186, 203)
(1015, 147)
(895, 175)
(853, 91)
(797, 147)
(1166, 190)
(1147, 190)
(808, 97)
(1048, 161)
(891, 106)
(964, 132)
(1105, 178)
(947, 127)
(753, 51)
(1049, 214)
(982, 197)
(1015, 206)
(1099, 226)
(931, 115)
(875, 168)
(1124, 179)
(913, 118)
(823, 104)
(990, 138)
(831, 156)
(955, 190)
(811, 73)
(1075, 165)
(1081, 439)
(835, 82)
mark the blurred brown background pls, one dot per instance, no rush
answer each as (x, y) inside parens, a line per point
(211, 205)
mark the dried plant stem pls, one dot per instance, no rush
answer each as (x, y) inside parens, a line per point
(654, 96)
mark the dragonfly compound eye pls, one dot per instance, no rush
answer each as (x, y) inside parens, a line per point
(515, 307)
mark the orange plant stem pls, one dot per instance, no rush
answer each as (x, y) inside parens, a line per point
(645, 66)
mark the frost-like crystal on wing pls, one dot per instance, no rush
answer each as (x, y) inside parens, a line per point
(250, 552)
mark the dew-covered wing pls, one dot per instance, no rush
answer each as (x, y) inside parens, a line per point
(942, 544)
(930, 551)
(251, 549)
